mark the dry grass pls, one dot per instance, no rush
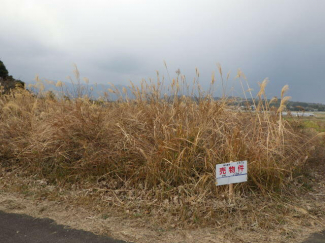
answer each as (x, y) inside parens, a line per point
(154, 156)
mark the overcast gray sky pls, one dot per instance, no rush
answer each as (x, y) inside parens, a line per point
(118, 40)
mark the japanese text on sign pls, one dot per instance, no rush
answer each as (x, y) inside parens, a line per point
(234, 172)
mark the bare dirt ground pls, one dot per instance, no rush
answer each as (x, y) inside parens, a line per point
(138, 230)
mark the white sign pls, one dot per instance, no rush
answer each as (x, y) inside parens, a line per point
(233, 172)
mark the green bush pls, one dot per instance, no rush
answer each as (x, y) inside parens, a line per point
(3, 70)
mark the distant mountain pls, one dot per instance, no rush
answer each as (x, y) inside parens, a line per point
(95, 91)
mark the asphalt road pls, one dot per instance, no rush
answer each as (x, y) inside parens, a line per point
(16, 228)
(316, 238)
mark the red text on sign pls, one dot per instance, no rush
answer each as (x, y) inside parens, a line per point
(240, 168)
(222, 171)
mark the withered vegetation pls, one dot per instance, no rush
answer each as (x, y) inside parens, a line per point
(155, 154)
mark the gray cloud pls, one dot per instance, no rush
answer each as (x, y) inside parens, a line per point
(120, 63)
(120, 40)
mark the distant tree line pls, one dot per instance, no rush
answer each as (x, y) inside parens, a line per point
(298, 106)
(291, 105)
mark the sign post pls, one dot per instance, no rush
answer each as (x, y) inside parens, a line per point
(230, 173)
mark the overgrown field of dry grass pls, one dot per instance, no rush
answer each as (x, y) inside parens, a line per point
(154, 156)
